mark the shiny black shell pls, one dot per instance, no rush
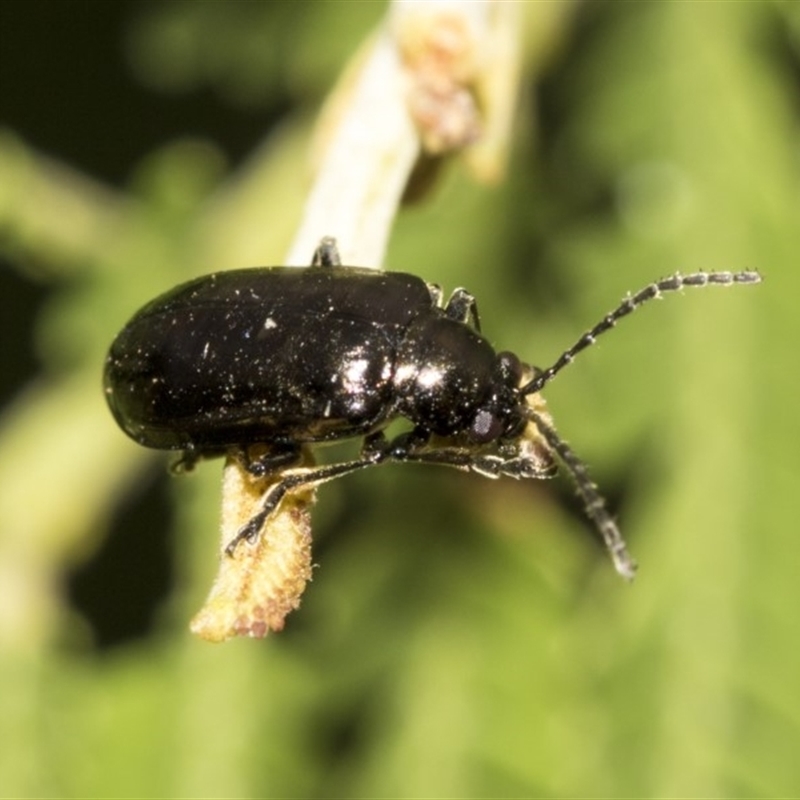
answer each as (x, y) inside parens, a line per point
(285, 354)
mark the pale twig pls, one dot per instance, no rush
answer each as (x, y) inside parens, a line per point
(413, 91)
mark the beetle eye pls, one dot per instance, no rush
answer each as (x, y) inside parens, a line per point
(485, 427)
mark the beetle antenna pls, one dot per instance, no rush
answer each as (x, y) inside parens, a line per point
(674, 283)
(593, 502)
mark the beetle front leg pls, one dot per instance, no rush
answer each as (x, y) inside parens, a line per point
(490, 465)
(519, 460)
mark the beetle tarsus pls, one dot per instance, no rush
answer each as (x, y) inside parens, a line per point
(327, 253)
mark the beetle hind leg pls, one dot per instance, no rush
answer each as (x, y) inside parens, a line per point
(372, 455)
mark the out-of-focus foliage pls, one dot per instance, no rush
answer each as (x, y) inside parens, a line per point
(462, 637)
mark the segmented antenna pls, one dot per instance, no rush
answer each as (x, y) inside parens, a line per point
(672, 284)
(593, 502)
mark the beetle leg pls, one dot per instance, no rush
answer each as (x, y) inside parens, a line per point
(327, 253)
(403, 445)
(186, 462)
(406, 447)
(436, 294)
(293, 479)
(463, 458)
(273, 459)
(462, 308)
(489, 465)
(189, 458)
(511, 461)
(375, 450)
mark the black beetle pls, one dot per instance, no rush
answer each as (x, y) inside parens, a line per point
(285, 356)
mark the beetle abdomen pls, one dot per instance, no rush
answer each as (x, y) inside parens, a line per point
(276, 354)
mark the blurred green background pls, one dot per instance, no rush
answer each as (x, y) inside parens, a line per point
(462, 637)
